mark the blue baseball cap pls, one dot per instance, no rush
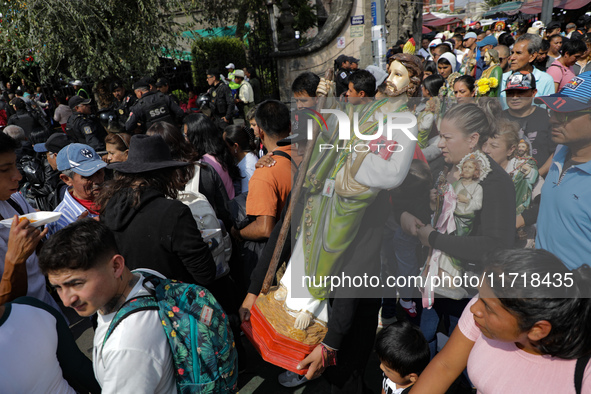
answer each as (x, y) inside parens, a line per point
(488, 40)
(80, 158)
(574, 96)
(470, 34)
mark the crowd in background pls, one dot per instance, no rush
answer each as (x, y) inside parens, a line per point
(197, 192)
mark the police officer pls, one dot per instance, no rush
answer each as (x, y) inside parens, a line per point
(163, 87)
(151, 107)
(77, 84)
(221, 100)
(342, 67)
(33, 129)
(122, 102)
(83, 126)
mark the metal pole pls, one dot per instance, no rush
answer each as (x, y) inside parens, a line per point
(547, 6)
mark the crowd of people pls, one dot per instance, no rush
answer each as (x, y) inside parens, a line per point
(148, 193)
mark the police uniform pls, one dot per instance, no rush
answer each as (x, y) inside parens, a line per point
(151, 108)
(160, 82)
(222, 104)
(86, 129)
(174, 98)
(123, 108)
(341, 81)
(83, 93)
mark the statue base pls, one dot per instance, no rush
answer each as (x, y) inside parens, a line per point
(273, 335)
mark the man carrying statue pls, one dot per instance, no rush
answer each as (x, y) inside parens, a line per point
(338, 232)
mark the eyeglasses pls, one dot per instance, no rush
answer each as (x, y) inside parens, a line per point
(564, 117)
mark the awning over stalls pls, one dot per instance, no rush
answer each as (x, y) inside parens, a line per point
(429, 17)
(184, 56)
(426, 30)
(224, 31)
(443, 22)
(504, 8)
(535, 7)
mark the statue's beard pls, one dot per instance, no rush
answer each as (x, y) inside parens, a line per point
(392, 90)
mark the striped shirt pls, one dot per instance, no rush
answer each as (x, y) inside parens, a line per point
(70, 209)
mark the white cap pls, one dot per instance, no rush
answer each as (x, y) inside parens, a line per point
(379, 74)
(538, 25)
(231, 65)
(433, 44)
(76, 83)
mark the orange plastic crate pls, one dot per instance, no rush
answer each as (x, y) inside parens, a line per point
(272, 346)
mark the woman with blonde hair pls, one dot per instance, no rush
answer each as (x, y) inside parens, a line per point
(463, 130)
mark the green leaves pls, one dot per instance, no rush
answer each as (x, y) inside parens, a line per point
(87, 39)
(216, 53)
(492, 3)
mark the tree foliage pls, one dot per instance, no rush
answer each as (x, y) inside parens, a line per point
(97, 39)
(492, 3)
(82, 38)
(215, 53)
(304, 15)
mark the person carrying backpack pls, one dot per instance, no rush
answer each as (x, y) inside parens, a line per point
(153, 335)
(153, 229)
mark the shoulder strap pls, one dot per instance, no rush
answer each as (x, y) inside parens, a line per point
(16, 206)
(406, 390)
(579, 372)
(196, 174)
(282, 154)
(132, 306)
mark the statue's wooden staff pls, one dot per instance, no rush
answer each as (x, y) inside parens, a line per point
(295, 194)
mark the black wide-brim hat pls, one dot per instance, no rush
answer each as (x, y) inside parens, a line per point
(147, 153)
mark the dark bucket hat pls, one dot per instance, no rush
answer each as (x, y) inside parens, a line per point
(146, 153)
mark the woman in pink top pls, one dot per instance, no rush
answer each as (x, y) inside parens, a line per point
(561, 69)
(523, 333)
(202, 133)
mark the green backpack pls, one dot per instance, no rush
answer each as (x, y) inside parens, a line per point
(198, 332)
